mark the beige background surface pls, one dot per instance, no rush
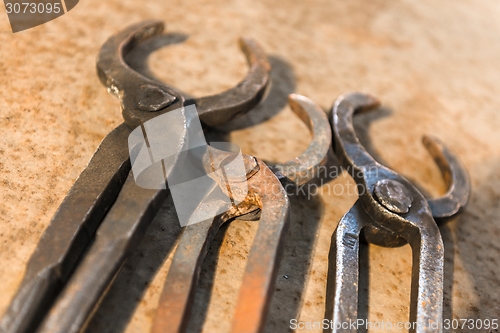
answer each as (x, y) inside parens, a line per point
(434, 65)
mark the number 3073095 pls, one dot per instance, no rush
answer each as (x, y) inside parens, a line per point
(33, 8)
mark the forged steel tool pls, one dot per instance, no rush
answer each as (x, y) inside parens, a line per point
(390, 211)
(266, 200)
(105, 192)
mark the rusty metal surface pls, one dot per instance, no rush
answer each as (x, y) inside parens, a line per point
(120, 232)
(455, 177)
(264, 193)
(389, 209)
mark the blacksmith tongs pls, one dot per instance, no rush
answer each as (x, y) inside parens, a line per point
(390, 211)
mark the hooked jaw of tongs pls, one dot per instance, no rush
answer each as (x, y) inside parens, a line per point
(390, 211)
(105, 192)
(142, 98)
(266, 201)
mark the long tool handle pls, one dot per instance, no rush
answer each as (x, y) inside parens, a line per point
(118, 236)
(180, 286)
(343, 271)
(264, 192)
(69, 233)
(265, 254)
(343, 276)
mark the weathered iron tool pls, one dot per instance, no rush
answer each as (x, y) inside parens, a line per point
(266, 199)
(390, 211)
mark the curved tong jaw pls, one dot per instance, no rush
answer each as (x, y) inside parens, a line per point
(367, 172)
(304, 167)
(390, 210)
(143, 98)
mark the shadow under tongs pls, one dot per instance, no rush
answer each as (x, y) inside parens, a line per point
(362, 123)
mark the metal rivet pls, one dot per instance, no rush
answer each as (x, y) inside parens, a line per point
(153, 98)
(393, 195)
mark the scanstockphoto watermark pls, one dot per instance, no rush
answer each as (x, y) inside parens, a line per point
(384, 326)
(321, 180)
(312, 189)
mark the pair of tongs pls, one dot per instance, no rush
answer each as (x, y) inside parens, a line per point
(390, 212)
(266, 200)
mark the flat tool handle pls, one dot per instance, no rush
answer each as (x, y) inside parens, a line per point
(119, 234)
(69, 233)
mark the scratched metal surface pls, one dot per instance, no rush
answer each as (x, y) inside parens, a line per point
(434, 66)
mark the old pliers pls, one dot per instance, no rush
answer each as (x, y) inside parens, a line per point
(390, 211)
(267, 201)
(105, 192)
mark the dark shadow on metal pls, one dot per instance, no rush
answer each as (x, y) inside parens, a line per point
(203, 294)
(207, 273)
(127, 290)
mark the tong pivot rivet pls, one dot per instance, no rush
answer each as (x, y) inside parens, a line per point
(152, 98)
(393, 195)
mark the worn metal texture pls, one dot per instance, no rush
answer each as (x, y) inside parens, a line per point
(265, 193)
(143, 98)
(392, 207)
(433, 64)
(455, 177)
(120, 232)
(307, 165)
